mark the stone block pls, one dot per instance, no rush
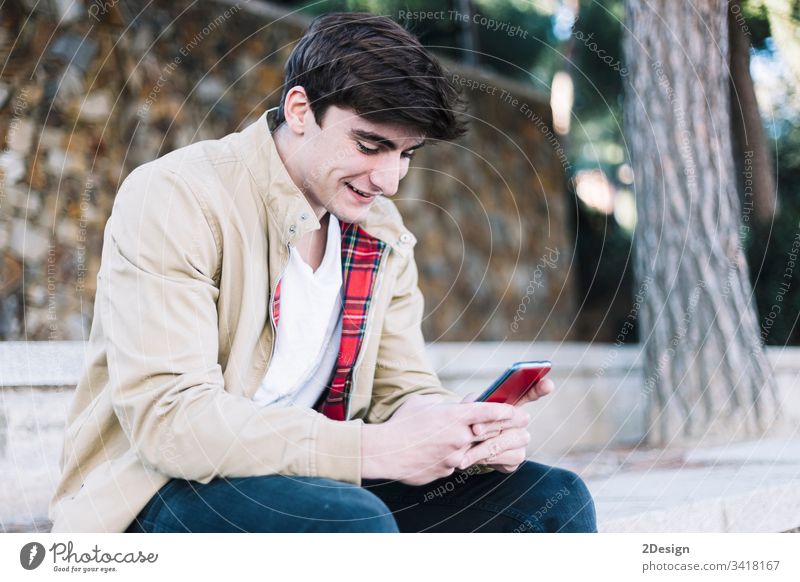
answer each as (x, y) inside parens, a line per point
(28, 241)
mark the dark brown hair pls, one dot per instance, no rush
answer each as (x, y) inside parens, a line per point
(373, 65)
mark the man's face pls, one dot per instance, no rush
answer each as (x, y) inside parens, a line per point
(348, 161)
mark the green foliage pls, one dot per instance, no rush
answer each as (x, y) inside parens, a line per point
(529, 56)
(757, 20)
(770, 252)
(596, 83)
(604, 253)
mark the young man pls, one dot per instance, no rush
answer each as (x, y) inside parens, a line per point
(256, 361)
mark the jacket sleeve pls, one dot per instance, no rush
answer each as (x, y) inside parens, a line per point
(402, 368)
(157, 300)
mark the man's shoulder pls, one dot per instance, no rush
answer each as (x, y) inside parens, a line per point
(200, 176)
(206, 170)
(200, 156)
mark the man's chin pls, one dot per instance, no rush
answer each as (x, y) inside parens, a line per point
(352, 216)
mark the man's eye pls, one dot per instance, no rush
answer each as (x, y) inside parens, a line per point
(364, 149)
(409, 155)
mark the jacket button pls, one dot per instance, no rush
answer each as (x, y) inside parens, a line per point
(293, 229)
(304, 216)
(405, 238)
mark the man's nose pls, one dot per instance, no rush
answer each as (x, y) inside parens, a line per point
(386, 175)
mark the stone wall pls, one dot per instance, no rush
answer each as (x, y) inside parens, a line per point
(490, 213)
(85, 102)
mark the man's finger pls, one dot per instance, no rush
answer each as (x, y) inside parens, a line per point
(505, 468)
(483, 428)
(519, 420)
(480, 412)
(542, 388)
(486, 435)
(512, 458)
(511, 439)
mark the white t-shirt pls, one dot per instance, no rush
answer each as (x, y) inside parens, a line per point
(309, 328)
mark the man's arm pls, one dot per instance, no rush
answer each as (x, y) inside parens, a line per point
(402, 372)
(157, 301)
(403, 369)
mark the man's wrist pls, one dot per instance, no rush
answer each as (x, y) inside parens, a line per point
(372, 457)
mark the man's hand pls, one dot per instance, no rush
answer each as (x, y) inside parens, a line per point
(427, 438)
(542, 388)
(504, 452)
(504, 446)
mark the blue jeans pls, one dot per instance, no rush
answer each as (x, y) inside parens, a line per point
(535, 498)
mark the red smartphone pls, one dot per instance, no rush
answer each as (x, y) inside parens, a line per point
(515, 382)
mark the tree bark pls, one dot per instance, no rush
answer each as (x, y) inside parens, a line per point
(707, 377)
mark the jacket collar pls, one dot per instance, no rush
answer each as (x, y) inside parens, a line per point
(287, 204)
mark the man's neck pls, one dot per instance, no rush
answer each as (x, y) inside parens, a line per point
(312, 245)
(287, 151)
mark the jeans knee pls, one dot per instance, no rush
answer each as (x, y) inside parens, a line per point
(357, 510)
(559, 500)
(579, 485)
(578, 514)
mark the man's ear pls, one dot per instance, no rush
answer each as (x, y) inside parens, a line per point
(296, 108)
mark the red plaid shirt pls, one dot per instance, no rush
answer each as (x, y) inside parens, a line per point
(361, 257)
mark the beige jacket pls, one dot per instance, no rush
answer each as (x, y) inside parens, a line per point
(182, 336)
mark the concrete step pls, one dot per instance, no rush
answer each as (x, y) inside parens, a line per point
(744, 487)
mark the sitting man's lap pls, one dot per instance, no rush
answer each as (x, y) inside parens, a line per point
(535, 498)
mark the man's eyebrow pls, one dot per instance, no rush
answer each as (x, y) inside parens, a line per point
(384, 142)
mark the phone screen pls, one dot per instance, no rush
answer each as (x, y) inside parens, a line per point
(515, 382)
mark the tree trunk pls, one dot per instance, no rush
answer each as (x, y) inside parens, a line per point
(707, 378)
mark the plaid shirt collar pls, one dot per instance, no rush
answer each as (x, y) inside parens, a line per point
(361, 260)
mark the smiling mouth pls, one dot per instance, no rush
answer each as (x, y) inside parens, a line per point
(359, 192)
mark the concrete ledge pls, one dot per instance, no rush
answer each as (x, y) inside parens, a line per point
(56, 363)
(745, 487)
(31, 438)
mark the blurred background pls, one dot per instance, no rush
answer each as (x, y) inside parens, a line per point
(90, 90)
